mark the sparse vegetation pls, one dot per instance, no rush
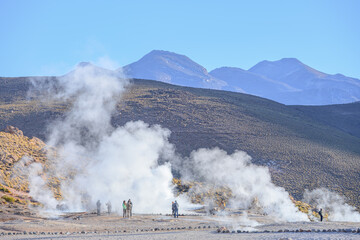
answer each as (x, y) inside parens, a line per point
(21, 201)
(8, 199)
(4, 189)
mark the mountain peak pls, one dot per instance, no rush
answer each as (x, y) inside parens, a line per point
(284, 62)
(281, 68)
(84, 64)
(92, 68)
(172, 68)
(290, 60)
(161, 52)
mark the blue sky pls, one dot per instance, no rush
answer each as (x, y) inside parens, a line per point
(50, 37)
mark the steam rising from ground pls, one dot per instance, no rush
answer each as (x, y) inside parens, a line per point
(39, 188)
(124, 165)
(333, 204)
(250, 184)
(98, 162)
(34, 172)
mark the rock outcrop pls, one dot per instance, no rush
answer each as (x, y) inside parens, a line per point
(17, 152)
(14, 130)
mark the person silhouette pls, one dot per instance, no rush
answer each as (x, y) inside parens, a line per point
(321, 216)
(98, 206)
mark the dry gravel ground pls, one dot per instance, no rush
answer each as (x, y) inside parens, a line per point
(196, 235)
(108, 227)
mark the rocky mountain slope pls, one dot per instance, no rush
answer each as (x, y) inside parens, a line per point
(301, 149)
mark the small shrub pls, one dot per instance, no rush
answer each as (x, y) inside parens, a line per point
(23, 202)
(4, 189)
(8, 199)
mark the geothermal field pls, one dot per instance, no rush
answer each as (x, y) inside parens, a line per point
(179, 119)
(51, 189)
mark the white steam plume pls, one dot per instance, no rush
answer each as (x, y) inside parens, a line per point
(98, 161)
(246, 181)
(39, 188)
(125, 165)
(28, 170)
(333, 204)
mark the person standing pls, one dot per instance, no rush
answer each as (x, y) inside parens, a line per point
(176, 209)
(108, 204)
(129, 208)
(98, 207)
(321, 216)
(172, 209)
(124, 209)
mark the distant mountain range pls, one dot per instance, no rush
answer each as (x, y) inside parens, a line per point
(287, 81)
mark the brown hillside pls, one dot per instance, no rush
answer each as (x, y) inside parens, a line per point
(301, 152)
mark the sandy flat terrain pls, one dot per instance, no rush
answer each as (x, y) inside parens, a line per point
(196, 235)
(142, 226)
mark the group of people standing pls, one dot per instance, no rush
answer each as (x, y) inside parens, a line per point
(127, 209)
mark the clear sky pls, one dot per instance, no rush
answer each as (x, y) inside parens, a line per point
(49, 37)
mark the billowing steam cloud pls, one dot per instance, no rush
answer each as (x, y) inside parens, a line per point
(249, 183)
(124, 165)
(333, 204)
(98, 162)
